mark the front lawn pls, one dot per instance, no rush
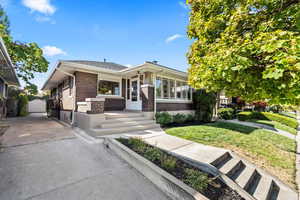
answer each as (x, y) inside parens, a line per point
(276, 125)
(271, 151)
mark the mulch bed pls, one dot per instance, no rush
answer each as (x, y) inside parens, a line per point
(216, 190)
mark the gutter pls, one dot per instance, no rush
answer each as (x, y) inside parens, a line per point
(74, 93)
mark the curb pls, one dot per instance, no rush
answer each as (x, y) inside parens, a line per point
(170, 185)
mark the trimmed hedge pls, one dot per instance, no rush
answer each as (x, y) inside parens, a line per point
(164, 118)
(226, 113)
(244, 116)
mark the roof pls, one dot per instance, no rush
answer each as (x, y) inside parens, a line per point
(68, 67)
(105, 65)
(7, 70)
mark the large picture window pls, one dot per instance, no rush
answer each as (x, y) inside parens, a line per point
(172, 89)
(109, 88)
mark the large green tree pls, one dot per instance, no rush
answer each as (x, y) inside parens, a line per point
(27, 57)
(249, 48)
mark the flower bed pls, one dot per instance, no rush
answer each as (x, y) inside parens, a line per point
(209, 186)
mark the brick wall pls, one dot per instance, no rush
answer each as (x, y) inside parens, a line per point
(86, 86)
(147, 98)
(173, 106)
(114, 104)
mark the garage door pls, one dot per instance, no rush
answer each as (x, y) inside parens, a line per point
(37, 106)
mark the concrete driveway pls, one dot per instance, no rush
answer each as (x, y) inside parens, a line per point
(56, 167)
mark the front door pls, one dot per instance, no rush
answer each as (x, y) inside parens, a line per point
(134, 102)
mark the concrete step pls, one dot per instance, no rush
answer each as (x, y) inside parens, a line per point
(125, 119)
(220, 161)
(119, 130)
(245, 176)
(230, 165)
(122, 115)
(127, 123)
(263, 189)
(286, 193)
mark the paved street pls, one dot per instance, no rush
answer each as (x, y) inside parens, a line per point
(43, 160)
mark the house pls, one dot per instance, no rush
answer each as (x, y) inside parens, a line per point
(8, 78)
(76, 87)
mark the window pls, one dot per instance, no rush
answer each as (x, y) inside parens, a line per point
(185, 89)
(165, 84)
(70, 86)
(178, 90)
(108, 88)
(172, 89)
(158, 87)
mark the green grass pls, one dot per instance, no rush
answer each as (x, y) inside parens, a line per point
(276, 125)
(271, 151)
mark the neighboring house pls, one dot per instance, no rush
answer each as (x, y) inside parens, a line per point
(7, 78)
(148, 88)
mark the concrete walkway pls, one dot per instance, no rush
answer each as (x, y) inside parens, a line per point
(269, 128)
(45, 167)
(250, 181)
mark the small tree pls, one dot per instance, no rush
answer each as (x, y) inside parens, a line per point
(205, 104)
(27, 57)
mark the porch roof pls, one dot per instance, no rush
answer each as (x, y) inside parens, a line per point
(7, 70)
(64, 68)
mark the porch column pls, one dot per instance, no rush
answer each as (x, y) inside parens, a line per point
(147, 98)
(95, 105)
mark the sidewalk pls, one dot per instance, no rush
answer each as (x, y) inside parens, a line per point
(257, 125)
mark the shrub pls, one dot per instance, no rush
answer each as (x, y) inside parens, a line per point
(190, 118)
(204, 105)
(196, 179)
(163, 118)
(137, 144)
(244, 116)
(152, 154)
(168, 162)
(179, 118)
(22, 105)
(226, 113)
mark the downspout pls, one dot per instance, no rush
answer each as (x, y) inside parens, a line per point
(74, 94)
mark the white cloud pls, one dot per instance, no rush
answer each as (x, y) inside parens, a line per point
(129, 65)
(42, 6)
(45, 19)
(183, 5)
(173, 37)
(52, 51)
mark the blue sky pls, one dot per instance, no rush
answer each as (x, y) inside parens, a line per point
(125, 33)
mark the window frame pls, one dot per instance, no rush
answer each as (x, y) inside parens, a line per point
(174, 99)
(106, 77)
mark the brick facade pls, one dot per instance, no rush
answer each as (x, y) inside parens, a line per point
(173, 106)
(86, 86)
(147, 93)
(112, 104)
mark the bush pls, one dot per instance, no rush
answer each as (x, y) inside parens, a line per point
(179, 118)
(163, 118)
(168, 162)
(244, 116)
(152, 154)
(196, 179)
(137, 145)
(190, 118)
(22, 105)
(204, 105)
(226, 113)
